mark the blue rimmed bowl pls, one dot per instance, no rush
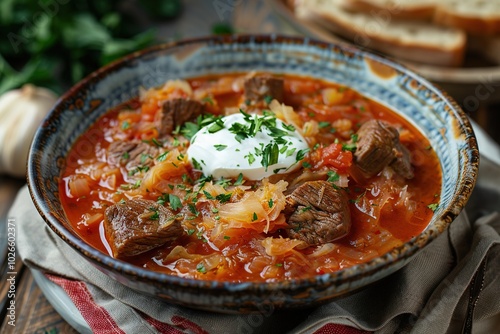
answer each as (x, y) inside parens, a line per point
(423, 104)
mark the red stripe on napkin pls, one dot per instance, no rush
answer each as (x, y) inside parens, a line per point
(96, 316)
(161, 327)
(339, 329)
(100, 321)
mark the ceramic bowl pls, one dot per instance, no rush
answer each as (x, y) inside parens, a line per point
(423, 104)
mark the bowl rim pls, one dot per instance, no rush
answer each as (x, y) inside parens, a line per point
(467, 174)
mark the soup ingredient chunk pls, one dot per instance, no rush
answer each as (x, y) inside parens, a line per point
(176, 112)
(378, 146)
(136, 226)
(317, 213)
(264, 88)
(132, 154)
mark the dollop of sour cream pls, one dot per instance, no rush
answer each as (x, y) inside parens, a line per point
(255, 146)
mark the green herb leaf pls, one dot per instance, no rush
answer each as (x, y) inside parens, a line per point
(239, 181)
(200, 267)
(162, 157)
(301, 154)
(220, 147)
(323, 124)
(223, 198)
(268, 99)
(433, 206)
(174, 201)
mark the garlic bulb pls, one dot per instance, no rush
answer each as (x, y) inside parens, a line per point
(21, 112)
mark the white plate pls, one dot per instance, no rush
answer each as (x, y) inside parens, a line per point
(61, 302)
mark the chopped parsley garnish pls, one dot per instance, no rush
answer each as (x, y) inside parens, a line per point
(208, 195)
(290, 152)
(156, 142)
(301, 154)
(190, 231)
(155, 215)
(349, 147)
(270, 155)
(254, 217)
(239, 181)
(268, 99)
(192, 209)
(145, 157)
(125, 125)
(289, 127)
(226, 237)
(174, 201)
(220, 147)
(208, 99)
(189, 129)
(306, 164)
(250, 157)
(323, 124)
(332, 176)
(433, 206)
(196, 164)
(125, 155)
(216, 126)
(223, 182)
(162, 157)
(307, 208)
(270, 203)
(200, 267)
(223, 198)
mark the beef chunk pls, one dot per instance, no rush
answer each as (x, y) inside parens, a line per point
(176, 112)
(259, 88)
(379, 146)
(137, 225)
(133, 154)
(317, 213)
(297, 178)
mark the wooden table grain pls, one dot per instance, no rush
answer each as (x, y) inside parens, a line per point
(33, 312)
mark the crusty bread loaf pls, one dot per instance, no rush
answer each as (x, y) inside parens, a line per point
(409, 40)
(477, 17)
(412, 9)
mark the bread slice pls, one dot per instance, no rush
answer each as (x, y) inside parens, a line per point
(415, 41)
(411, 9)
(477, 17)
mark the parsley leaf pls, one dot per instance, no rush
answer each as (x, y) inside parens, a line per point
(433, 206)
(175, 202)
(220, 147)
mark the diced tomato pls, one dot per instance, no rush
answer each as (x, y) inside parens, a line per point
(333, 155)
(150, 107)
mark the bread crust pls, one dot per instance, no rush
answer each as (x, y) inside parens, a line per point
(450, 55)
(414, 11)
(472, 24)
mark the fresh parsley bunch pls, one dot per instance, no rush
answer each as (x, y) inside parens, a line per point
(55, 43)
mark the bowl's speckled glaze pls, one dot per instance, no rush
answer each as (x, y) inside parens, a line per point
(428, 108)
